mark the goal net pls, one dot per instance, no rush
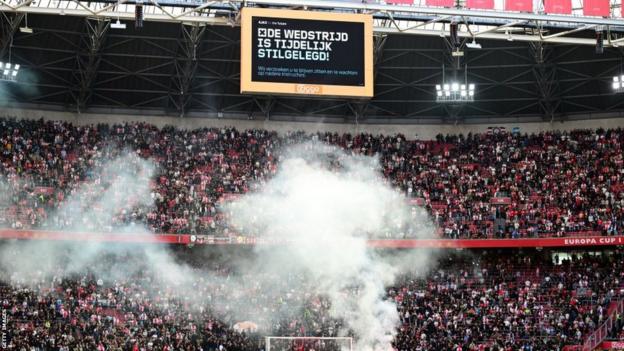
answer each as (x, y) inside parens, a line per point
(308, 343)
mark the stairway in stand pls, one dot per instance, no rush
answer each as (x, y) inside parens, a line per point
(598, 336)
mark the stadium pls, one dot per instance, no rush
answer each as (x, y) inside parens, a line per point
(313, 175)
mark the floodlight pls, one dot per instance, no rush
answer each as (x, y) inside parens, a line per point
(618, 84)
(457, 90)
(9, 71)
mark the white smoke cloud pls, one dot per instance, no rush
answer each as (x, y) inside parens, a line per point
(325, 205)
(5, 199)
(114, 186)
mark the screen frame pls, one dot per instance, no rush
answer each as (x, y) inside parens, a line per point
(247, 86)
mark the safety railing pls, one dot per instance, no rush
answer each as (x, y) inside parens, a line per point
(594, 339)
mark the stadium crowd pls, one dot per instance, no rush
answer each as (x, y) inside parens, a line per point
(474, 186)
(470, 302)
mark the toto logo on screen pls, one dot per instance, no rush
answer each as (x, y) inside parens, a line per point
(308, 89)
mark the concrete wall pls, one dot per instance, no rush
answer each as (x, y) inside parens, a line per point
(411, 131)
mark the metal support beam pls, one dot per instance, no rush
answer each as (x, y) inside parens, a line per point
(265, 105)
(453, 112)
(380, 44)
(89, 58)
(9, 26)
(454, 63)
(358, 108)
(186, 65)
(547, 86)
(494, 36)
(417, 20)
(458, 12)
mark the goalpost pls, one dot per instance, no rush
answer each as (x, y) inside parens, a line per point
(308, 343)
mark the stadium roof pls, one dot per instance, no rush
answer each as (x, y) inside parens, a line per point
(185, 62)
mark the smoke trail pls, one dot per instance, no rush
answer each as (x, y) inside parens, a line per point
(7, 192)
(115, 188)
(325, 205)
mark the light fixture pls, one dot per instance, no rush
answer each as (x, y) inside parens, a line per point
(509, 37)
(25, 28)
(118, 25)
(9, 71)
(454, 91)
(473, 44)
(618, 84)
(618, 79)
(457, 53)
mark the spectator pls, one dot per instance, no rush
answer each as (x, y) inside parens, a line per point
(475, 186)
(488, 302)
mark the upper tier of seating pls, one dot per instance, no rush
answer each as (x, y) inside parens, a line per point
(474, 186)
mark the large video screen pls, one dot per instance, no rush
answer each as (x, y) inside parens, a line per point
(304, 52)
